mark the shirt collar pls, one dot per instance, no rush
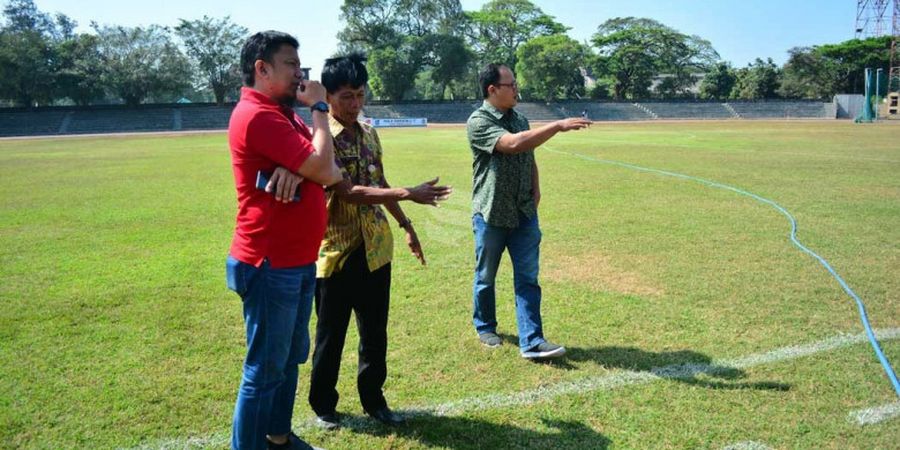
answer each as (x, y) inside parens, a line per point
(336, 127)
(252, 95)
(487, 106)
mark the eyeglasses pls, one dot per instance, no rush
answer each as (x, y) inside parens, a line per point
(513, 85)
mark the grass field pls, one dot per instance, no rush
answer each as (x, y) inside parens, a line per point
(117, 330)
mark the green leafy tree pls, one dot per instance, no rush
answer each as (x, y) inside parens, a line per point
(447, 58)
(24, 15)
(549, 67)
(374, 24)
(405, 38)
(601, 89)
(632, 51)
(809, 74)
(501, 26)
(29, 60)
(79, 75)
(394, 70)
(142, 63)
(851, 58)
(759, 80)
(718, 82)
(825, 70)
(215, 47)
(29, 41)
(27, 72)
(370, 24)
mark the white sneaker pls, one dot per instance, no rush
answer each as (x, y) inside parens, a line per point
(544, 350)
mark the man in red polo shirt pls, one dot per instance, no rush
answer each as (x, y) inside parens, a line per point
(271, 263)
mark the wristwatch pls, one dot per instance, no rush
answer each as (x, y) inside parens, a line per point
(319, 106)
(405, 223)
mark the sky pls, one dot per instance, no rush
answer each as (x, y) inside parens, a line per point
(740, 30)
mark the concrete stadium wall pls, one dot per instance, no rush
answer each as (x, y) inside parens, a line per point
(54, 121)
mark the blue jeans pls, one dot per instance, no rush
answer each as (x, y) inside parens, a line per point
(277, 306)
(523, 243)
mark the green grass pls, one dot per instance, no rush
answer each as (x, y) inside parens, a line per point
(117, 329)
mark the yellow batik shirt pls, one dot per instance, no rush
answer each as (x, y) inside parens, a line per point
(358, 155)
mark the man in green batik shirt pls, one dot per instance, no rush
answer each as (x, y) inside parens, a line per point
(505, 196)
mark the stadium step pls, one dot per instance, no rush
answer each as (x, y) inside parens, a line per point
(646, 110)
(732, 111)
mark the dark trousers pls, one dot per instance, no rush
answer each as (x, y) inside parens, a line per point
(367, 294)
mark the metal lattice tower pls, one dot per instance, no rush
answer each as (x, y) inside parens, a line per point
(894, 77)
(874, 18)
(870, 18)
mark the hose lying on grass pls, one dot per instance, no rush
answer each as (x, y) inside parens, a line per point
(859, 303)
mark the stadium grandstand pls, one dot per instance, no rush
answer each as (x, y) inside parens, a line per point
(187, 117)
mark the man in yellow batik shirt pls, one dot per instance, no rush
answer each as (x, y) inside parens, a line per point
(354, 266)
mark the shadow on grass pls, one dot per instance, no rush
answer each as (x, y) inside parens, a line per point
(468, 433)
(684, 366)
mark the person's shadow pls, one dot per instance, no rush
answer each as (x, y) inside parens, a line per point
(685, 366)
(468, 433)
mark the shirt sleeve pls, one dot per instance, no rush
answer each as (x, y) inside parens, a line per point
(377, 139)
(484, 133)
(271, 135)
(378, 153)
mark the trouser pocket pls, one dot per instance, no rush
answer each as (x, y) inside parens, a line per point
(238, 275)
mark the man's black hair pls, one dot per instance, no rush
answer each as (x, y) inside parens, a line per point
(490, 75)
(262, 46)
(348, 70)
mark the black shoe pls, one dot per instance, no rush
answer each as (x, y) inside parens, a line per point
(328, 421)
(387, 417)
(293, 443)
(544, 350)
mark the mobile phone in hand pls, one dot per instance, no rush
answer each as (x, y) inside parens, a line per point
(262, 179)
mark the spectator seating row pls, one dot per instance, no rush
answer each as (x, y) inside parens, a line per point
(691, 111)
(31, 123)
(782, 110)
(56, 121)
(605, 111)
(120, 120)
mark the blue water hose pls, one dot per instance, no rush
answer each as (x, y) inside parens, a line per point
(859, 303)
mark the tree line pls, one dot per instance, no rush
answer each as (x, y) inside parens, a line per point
(44, 62)
(418, 50)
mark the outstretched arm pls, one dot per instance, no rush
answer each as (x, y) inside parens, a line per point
(284, 183)
(427, 193)
(531, 139)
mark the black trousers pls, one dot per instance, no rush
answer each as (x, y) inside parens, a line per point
(367, 294)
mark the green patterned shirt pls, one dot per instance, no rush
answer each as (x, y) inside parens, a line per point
(502, 183)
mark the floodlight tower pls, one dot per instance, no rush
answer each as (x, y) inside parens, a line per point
(870, 18)
(872, 21)
(894, 74)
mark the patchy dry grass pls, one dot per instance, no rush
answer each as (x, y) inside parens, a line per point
(595, 271)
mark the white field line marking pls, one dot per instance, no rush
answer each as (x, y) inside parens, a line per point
(626, 378)
(585, 385)
(748, 445)
(875, 415)
(852, 158)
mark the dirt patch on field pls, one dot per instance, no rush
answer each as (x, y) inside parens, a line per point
(595, 270)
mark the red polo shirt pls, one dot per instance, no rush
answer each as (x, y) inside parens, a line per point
(264, 135)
